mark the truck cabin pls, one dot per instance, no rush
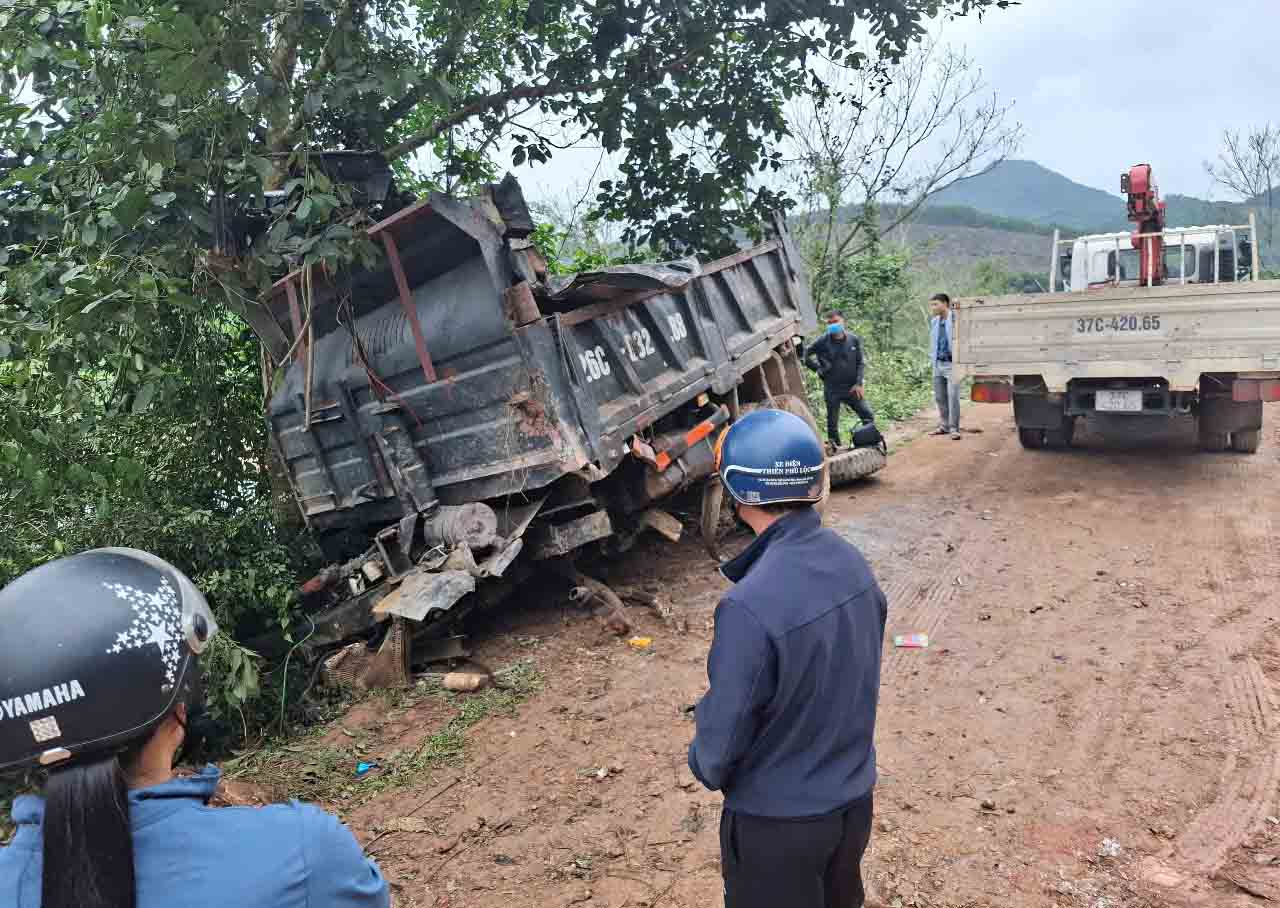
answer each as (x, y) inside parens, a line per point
(1110, 259)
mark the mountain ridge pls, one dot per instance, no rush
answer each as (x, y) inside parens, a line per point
(1029, 192)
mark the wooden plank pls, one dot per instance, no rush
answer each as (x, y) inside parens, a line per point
(663, 523)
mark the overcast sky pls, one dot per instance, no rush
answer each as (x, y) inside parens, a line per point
(1102, 84)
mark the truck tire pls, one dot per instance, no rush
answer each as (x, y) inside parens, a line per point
(1214, 441)
(1246, 441)
(713, 515)
(1225, 424)
(1032, 439)
(1061, 438)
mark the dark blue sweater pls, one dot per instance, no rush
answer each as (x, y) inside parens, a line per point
(787, 726)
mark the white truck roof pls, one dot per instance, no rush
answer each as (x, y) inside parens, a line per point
(1171, 234)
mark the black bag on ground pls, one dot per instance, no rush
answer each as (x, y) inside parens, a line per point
(867, 436)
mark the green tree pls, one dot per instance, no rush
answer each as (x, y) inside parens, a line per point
(871, 291)
(866, 155)
(183, 478)
(993, 278)
(874, 293)
(139, 140)
(130, 129)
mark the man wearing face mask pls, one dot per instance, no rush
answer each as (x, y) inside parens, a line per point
(838, 358)
(786, 727)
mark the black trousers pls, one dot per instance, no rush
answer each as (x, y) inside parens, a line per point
(834, 399)
(809, 863)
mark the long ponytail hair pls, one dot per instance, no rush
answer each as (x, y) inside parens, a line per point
(88, 844)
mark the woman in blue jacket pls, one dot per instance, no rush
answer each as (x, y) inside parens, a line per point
(99, 682)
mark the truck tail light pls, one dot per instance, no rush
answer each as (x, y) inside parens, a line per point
(1244, 390)
(991, 392)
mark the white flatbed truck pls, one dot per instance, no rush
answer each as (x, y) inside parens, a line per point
(1188, 329)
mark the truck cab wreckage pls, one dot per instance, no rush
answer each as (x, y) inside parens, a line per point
(458, 417)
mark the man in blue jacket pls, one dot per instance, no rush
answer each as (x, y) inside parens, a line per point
(786, 729)
(946, 391)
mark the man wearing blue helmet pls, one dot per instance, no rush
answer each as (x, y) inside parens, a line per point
(786, 729)
(837, 357)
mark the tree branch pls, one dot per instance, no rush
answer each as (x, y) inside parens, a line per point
(499, 99)
(404, 106)
(284, 60)
(488, 102)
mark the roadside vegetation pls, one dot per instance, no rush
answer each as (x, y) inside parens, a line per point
(306, 767)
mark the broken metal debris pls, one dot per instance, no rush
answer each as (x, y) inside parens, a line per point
(475, 524)
(663, 523)
(556, 540)
(423, 593)
(591, 593)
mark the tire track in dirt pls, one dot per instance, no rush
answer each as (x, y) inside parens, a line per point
(916, 607)
(1240, 560)
(1121, 712)
(1248, 777)
(1099, 718)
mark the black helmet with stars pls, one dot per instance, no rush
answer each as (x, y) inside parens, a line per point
(95, 650)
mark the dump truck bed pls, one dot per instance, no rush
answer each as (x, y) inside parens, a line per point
(1176, 333)
(461, 373)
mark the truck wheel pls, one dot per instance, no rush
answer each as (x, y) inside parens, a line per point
(1245, 441)
(1225, 424)
(1032, 439)
(712, 516)
(1214, 441)
(1061, 438)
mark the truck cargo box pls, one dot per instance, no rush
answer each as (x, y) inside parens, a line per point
(457, 415)
(457, 374)
(1174, 332)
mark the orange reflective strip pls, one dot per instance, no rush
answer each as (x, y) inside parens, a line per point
(720, 446)
(699, 432)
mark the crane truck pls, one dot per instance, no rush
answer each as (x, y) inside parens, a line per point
(1151, 324)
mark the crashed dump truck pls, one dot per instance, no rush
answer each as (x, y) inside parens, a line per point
(457, 417)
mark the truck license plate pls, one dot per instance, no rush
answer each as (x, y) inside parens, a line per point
(1117, 324)
(1119, 401)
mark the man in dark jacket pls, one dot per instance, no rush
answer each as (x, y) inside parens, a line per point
(786, 729)
(837, 358)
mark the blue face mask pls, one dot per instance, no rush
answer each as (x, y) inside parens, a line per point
(836, 328)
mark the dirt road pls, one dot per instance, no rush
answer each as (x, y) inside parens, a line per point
(1094, 724)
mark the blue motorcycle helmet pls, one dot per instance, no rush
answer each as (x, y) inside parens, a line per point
(771, 457)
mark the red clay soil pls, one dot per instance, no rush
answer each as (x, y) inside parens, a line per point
(1093, 724)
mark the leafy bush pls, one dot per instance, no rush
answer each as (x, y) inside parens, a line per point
(898, 385)
(183, 477)
(874, 293)
(587, 252)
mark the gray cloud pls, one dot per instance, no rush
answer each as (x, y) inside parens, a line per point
(1102, 84)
